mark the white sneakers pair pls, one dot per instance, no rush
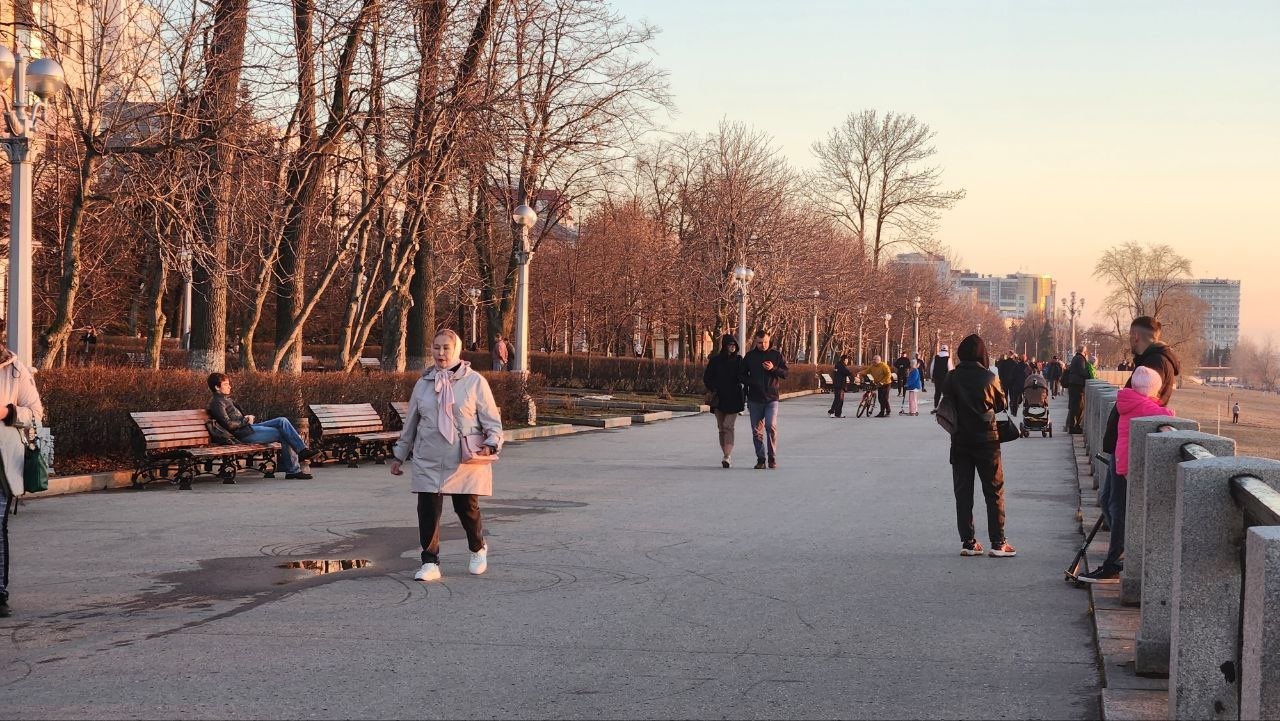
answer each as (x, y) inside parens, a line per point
(478, 565)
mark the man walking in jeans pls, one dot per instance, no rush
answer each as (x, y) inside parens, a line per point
(765, 370)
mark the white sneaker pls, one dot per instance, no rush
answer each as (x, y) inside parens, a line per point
(479, 561)
(428, 572)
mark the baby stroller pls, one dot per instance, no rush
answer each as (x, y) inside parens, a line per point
(1035, 407)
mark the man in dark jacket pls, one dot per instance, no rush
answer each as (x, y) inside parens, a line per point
(765, 369)
(223, 409)
(976, 397)
(938, 373)
(902, 366)
(723, 380)
(1149, 352)
(839, 381)
(1053, 374)
(1077, 374)
(1019, 371)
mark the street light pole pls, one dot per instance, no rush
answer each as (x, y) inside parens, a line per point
(884, 350)
(743, 276)
(1074, 312)
(813, 354)
(862, 314)
(184, 257)
(524, 217)
(915, 303)
(473, 294)
(43, 78)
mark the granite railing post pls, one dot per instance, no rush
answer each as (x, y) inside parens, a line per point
(1205, 648)
(1260, 657)
(1160, 471)
(1135, 513)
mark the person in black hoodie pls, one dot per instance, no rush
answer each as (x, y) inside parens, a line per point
(902, 367)
(1019, 371)
(976, 396)
(723, 379)
(839, 382)
(765, 369)
(1077, 374)
(938, 374)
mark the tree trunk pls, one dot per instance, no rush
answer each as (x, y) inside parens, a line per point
(54, 340)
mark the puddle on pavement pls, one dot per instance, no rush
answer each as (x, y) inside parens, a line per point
(535, 503)
(324, 566)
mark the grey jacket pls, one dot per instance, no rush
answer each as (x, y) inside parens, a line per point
(435, 464)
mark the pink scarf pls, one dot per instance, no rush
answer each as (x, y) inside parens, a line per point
(444, 404)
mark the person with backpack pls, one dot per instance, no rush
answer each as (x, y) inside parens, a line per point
(723, 381)
(974, 397)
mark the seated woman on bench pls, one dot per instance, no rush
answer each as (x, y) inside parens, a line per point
(276, 430)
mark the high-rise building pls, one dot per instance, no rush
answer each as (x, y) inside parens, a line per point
(1014, 296)
(938, 264)
(1222, 324)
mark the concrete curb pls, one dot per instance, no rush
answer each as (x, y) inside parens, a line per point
(608, 422)
(1124, 695)
(62, 485)
(530, 432)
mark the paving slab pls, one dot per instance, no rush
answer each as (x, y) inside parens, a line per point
(630, 577)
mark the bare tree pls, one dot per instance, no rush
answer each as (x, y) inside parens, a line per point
(1142, 278)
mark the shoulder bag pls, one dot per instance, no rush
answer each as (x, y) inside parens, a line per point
(1007, 429)
(472, 444)
(35, 471)
(946, 415)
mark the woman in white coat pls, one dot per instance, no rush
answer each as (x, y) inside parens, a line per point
(21, 411)
(450, 401)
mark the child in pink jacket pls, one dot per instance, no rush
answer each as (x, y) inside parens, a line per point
(1136, 401)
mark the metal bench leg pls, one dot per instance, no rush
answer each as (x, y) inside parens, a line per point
(186, 472)
(227, 471)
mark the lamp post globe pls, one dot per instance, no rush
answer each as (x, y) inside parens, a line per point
(915, 304)
(45, 78)
(523, 217)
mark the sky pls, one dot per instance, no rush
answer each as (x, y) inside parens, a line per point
(1073, 126)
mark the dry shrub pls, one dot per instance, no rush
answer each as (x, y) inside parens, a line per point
(87, 409)
(643, 375)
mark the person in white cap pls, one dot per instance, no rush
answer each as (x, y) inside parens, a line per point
(938, 373)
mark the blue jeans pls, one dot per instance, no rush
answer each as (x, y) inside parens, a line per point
(1113, 499)
(764, 420)
(278, 430)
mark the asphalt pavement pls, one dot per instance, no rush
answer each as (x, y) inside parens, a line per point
(630, 576)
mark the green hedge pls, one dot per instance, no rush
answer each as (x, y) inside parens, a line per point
(87, 409)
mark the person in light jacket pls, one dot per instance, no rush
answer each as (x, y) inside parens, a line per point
(22, 412)
(450, 401)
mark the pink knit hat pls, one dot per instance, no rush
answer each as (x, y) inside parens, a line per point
(1146, 381)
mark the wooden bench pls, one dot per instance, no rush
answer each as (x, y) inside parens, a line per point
(178, 443)
(350, 430)
(825, 383)
(138, 359)
(370, 364)
(309, 363)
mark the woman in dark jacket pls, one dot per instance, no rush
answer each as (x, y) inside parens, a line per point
(977, 397)
(723, 379)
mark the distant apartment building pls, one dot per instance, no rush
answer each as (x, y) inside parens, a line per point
(1014, 296)
(1222, 325)
(938, 264)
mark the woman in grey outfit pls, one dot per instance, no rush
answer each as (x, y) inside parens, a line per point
(450, 401)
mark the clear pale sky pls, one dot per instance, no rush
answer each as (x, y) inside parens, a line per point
(1073, 126)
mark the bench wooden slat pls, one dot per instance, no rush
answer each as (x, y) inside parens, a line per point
(378, 437)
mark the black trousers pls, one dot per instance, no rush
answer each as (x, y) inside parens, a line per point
(4, 539)
(986, 463)
(1015, 401)
(937, 393)
(430, 506)
(1075, 408)
(837, 402)
(883, 395)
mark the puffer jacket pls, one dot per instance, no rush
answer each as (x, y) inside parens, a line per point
(1159, 358)
(223, 409)
(1131, 404)
(977, 397)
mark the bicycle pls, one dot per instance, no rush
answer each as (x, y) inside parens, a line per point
(868, 402)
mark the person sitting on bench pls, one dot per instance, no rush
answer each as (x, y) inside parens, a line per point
(223, 409)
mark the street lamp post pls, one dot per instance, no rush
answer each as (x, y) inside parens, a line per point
(184, 258)
(1074, 312)
(862, 312)
(915, 303)
(524, 217)
(884, 350)
(42, 78)
(743, 276)
(473, 295)
(813, 354)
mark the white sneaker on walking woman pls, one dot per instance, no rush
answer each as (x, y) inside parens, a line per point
(428, 572)
(479, 561)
